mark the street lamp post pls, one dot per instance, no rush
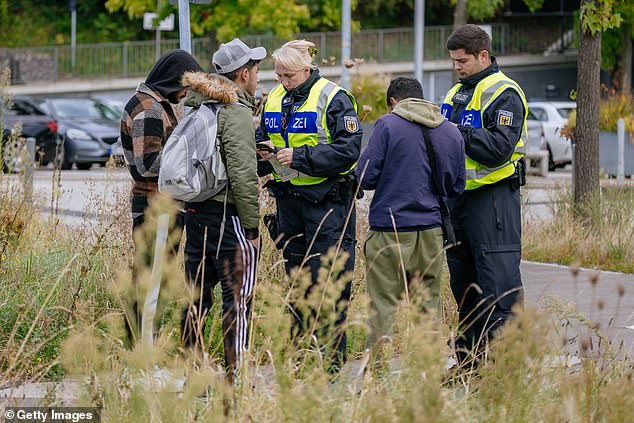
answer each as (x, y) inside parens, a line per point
(419, 45)
(72, 7)
(183, 21)
(183, 25)
(158, 32)
(345, 43)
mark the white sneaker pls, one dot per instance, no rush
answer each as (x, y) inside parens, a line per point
(163, 380)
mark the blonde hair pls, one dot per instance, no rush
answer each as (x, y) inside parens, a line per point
(296, 55)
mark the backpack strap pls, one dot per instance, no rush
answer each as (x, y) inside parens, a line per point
(447, 228)
(224, 205)
(224, 221)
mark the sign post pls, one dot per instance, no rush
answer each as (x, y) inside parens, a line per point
(166, 24)
(183, 21)
(28, 170)
(72, 8)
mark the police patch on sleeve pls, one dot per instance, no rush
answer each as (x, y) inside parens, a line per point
(505, 118)
(351, 123)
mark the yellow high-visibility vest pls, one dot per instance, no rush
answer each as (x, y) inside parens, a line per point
(307, 125)
(485, 93)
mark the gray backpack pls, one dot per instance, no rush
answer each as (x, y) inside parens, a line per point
(191, 166)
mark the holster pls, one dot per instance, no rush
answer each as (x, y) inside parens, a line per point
(272, 225)
(345, 188)
(519, 178)
(449, 237)
(275, 189)
(521, 171)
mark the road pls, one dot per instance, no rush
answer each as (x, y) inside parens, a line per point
(91, 193)
(80, 197)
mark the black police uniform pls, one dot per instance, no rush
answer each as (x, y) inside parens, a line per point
(312, 218)
(485, 267)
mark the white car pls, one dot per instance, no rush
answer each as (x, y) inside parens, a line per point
(552, 116)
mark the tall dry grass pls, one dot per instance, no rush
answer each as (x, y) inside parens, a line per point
(605, 240)
(62, 314)
(518, 382)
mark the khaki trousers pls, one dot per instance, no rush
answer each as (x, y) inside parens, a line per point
(414, 260)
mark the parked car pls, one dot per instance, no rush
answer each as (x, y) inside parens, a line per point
(551, 117)
(89, 129)
(33, 122)
(115, 107)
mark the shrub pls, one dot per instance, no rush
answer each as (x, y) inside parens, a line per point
(369, 91)
(613, 107)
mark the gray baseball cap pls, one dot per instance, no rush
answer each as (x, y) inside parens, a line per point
(234, 54)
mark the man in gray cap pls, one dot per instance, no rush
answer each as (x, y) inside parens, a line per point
(222, 232)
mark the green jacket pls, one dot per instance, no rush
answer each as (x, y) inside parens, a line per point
(236, 132)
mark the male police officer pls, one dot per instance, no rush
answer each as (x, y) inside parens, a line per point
(490, 110)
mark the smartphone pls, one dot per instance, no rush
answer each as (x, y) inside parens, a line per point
(265, 147)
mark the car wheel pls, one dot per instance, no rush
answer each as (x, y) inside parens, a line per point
(551, 163)
(84, 166)
(61, 162)
(13, 154)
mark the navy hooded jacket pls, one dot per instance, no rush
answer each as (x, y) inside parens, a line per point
(395, 164)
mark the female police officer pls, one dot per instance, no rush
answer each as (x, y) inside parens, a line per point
(312, 126)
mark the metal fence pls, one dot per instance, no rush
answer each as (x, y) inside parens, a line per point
(129, 59)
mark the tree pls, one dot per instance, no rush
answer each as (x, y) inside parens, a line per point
(480, 10)
(228, 18)
(616, 47)
(596, 16)
(626, 81)
(460, 14)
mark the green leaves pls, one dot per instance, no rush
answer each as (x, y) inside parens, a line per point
(229, 18)
(599, 15)
(483, 9)
(534, 5)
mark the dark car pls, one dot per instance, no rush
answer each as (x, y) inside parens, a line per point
(88, 127)
(22, 112)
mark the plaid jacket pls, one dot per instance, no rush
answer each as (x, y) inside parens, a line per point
(146, 123)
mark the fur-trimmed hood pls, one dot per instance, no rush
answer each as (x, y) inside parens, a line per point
(209, 86)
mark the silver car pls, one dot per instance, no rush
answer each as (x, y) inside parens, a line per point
(551, 117)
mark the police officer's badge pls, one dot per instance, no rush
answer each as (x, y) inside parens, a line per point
(351, 123)
(505, 118)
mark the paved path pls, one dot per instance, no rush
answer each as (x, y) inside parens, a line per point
(609, 302)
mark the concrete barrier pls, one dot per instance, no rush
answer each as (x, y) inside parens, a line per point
(608, 153)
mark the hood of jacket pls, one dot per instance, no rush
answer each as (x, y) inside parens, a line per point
(419, 111)
(165, 76)
(204, 87)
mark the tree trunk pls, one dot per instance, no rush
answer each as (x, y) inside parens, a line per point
(460, 14)
(626, 74)
(459, 19)
(213, 47)
(586, 183)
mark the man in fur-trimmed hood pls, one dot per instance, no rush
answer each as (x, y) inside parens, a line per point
(236, 139)
(222, 232)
